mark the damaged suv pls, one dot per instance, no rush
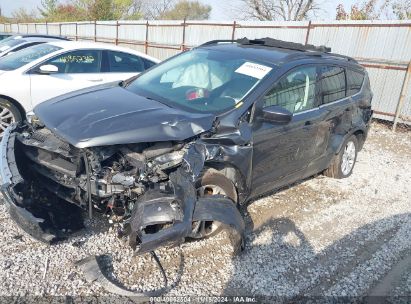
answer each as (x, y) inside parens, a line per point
(173, 152)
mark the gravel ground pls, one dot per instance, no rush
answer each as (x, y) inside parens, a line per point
(319, 237)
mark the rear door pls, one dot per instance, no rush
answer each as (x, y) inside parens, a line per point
(76, 70)
(334, 100)
(120, 66)
(283, 152)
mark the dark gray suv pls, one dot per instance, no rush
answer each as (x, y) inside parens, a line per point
(173, 152)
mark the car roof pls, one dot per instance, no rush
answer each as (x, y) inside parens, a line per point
(276, 51)
(39, 36)
(74, 45)
(38, 39)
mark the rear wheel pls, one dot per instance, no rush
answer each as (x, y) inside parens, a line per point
(9, 114)
(211, 183)
(343, 163)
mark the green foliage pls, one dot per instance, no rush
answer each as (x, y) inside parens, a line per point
(23, 16)
(185, 9)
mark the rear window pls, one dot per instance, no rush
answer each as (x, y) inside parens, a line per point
(7, 44)
(354, 82)
(333, 86)
(25, 56)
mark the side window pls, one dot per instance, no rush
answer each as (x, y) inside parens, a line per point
(84, 61)
(122, 63)
(354, 82)
(295, 91)
(333, 85)
(148, 64)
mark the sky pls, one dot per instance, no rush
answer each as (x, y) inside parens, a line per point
(221, 8)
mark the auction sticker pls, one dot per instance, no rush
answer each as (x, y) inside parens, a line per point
(253, 69)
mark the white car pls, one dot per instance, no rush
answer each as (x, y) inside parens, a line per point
(40, 72)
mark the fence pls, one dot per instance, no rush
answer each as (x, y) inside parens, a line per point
(382, 47)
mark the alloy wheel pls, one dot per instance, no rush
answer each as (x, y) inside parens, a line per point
(6, 119)
(348, 158)
(202, 229)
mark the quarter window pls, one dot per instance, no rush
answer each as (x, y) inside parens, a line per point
(123, 63)
(84, 61)
(354, 82)
(295, 91)
(333, 85)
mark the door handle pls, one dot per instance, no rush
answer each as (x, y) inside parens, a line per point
(96, 80)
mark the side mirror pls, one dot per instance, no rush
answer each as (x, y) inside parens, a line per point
(48, 69)
(276, 114)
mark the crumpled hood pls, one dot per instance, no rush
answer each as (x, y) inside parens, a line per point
(110, 115)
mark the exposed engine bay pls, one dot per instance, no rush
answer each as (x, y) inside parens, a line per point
(147, 188)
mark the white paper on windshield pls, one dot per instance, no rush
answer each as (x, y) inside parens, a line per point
(253, 70)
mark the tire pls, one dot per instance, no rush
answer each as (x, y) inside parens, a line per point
(212, 182)
(343, 163)
(9, 114)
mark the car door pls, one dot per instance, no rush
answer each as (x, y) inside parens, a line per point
(282, 152)
(76, 70)
(334, 100)
(121, 66)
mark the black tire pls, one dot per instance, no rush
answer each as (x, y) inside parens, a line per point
(207, 180)
(336, 168)
(9, 113)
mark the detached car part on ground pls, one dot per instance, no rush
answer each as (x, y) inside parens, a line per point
(172, 153)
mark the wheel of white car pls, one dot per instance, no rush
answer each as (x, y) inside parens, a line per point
(343, 163)
(8, 114)
(210, 183)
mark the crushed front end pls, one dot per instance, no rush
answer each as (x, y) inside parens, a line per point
(148, 188)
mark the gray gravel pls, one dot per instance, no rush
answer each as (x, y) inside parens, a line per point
(322, 236)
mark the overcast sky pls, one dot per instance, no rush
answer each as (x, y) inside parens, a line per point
(221, 9)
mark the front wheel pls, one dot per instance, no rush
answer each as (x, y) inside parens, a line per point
(8, 115)
(212, 182)
(343, 163)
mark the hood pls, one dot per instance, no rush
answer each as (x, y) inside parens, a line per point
(110, 115)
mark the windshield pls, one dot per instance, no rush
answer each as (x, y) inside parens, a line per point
(201, 80)
(25, 56)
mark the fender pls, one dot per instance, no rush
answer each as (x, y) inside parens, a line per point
(338, 139)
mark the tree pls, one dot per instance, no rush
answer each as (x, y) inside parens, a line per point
(366, 10)
(48, 9)
(401, 9)
(185, 9)
(153, 9)
(21, 15)
(68, 13)
(288, 10)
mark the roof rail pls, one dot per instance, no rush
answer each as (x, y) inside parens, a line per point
(270, 42)
(321, 54)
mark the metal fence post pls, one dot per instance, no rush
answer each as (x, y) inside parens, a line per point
(146, 42)
(402, 96)
(76, 31)
(59, 29)
(184, 36)
(307, 36)
(47, 28)
(233, 32)
(117, 25)
(95, 30)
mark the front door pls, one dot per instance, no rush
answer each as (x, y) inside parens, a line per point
(283, 152)
(76, 70)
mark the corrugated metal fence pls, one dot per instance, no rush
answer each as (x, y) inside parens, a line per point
(383, 47)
